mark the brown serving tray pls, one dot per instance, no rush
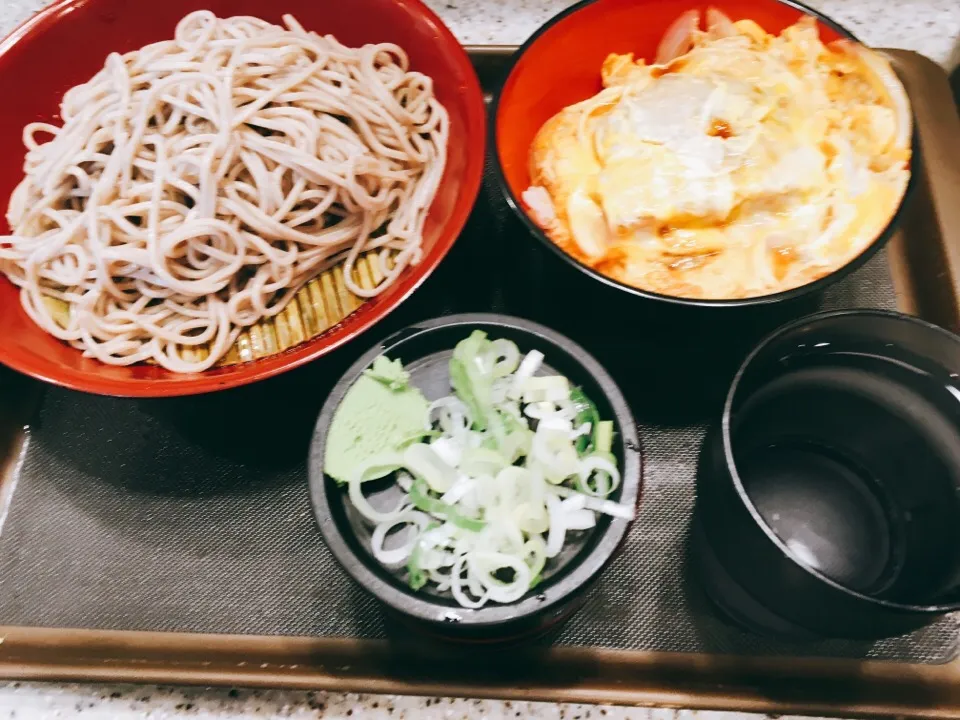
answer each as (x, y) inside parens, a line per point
(924, 261)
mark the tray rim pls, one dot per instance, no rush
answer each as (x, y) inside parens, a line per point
(849, 688)
(857, 688)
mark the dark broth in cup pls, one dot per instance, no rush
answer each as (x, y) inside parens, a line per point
(831, 445)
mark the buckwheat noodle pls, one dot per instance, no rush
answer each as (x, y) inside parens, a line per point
(197, 184)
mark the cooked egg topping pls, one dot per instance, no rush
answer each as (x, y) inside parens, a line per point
(739, 164)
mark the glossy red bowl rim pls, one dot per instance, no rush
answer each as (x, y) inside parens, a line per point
(760, 300)
(351, 326)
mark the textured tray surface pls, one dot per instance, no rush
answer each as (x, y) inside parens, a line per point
(193, 515)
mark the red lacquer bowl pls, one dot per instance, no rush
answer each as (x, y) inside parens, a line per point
(560, 65)
(67, 43)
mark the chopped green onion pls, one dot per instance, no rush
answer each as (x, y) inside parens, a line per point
(482, 461)
(375, 468)
(378, 466)
(471, 348)
(586, 413)
(423, 461)
(463, 386)
(532, 517)
(422, 500)
(535, 556)
(489, 442)
(511, 423)
(416, 577)
(506, 357)
(546, 388)
(465, 523)
(517, 445)
(603, 484)
(417, 437)
(603, 437)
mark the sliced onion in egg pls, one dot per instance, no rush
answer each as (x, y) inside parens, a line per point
(719, 24)
(891, 84)
(678, 39)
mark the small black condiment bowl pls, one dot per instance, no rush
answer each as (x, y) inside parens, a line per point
(425, 350)
(828, 497)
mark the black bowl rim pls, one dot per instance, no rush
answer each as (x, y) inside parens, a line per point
(761, 300)
(738, 484)
(420, 607)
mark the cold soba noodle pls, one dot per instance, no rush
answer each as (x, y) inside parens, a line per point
(198, 183)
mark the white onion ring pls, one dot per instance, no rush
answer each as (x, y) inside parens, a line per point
(592, 464)
(896, 94)
(719, 23)
(398, 555)
(456, 587)
(678, 39)
(484, 565)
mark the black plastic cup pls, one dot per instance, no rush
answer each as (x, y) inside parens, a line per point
(828, 497)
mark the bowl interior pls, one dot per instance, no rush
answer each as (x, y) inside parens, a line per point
(548, 77)
(842, 433)
(67, 43)
(425, 352)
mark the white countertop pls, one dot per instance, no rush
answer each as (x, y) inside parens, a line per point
(129, 702)
(931, 27)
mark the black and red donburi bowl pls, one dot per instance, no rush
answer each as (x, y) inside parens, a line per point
(560, 65)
